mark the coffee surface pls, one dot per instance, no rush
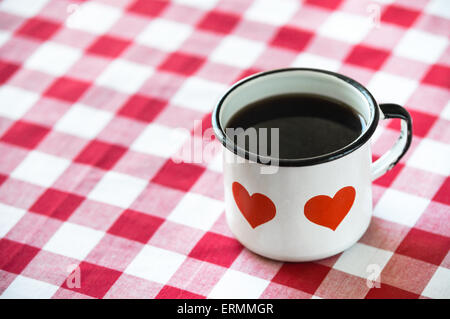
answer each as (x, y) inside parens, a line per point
(309, 125)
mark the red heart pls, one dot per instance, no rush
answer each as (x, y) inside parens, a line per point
(257, 209)
(329, 212)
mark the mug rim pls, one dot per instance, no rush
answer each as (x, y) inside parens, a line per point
(295, 162)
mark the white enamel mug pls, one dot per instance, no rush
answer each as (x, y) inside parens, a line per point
(308, 208)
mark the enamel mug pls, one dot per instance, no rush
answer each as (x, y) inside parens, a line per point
(308, 208)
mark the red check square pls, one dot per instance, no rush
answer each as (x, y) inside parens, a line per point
(25, 134)
(220, 22)
(142, 108)
(101, 154)
(151, 8)
(7, 69)
(422, 122)
(328, 4)
(247, 72)
(38, 28)
(303, 276)
(108, 46)
(387, 179)
(438, 75)
(443, 194)
(398, 15)
(181, 63)
(2, 179)
(14, 256)
(136, 226)
(57, 204)
(425, 246)
(178, 175)
(67, 89)
(292, 38)
(207, 248)
(169, 292)
(368, 57)
(95, 280)
(386, 291)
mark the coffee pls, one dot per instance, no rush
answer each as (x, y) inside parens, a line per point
(309, 125)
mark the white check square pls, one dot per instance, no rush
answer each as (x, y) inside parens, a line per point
(117, 189)
(25, 8)
(237, 51)
(124, 76)
(237, 285)
(421, 46)
(4, 36)
(9, 216)
(439, 7)
(439, 285)
(83, 121)
(216, 164)
(28, 288)
(197, 211)
(431, 156)
(273, 12)
(15, 102)
(400, 207)
(346, 27)
(40, 169)
(155, 264)
(160, 140)
(382, 84)
(202, 4)
(73, 241)
(164, 35)
(53, 58)
(446, 112)
(198, 94)
(93, 17)
(360, 258)
(308, 60)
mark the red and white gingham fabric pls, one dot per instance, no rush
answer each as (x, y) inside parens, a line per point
(92, 97)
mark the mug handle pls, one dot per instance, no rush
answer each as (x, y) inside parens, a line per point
(388, 160)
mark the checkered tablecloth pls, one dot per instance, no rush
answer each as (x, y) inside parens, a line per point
(96, 97)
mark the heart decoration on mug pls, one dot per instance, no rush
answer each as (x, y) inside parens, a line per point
(257, 209)
(322, 210)
(330, 212)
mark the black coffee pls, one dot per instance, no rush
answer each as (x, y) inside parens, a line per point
(309, 125)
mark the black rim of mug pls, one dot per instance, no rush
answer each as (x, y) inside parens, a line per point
(267, 160)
